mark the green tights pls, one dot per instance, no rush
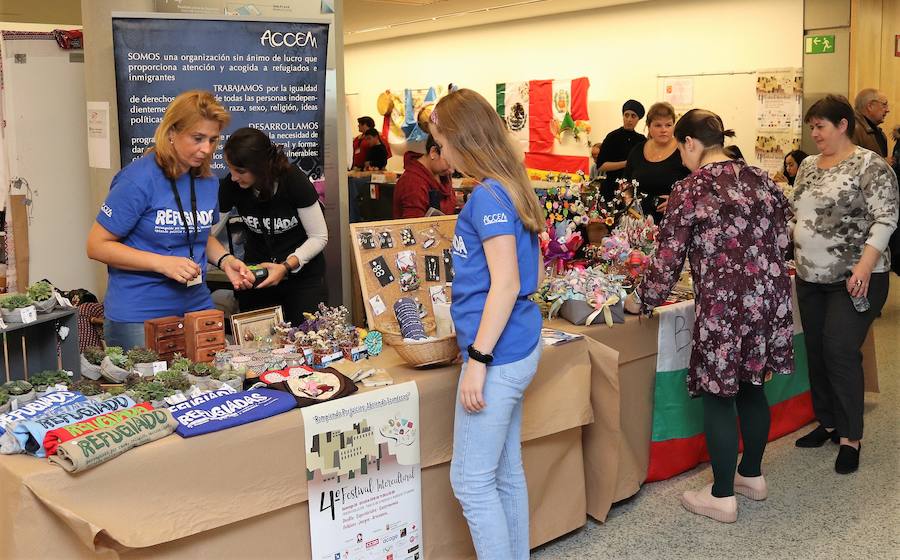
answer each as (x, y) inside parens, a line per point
(721, 431)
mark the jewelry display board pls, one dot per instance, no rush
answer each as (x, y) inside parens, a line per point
(403, 258)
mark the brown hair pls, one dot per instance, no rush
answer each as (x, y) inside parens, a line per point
(833, 108)
(487, 151)
(704, 126)
(660, 110)
(185, 111)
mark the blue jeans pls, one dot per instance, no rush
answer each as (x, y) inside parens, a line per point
(486, 471)
(126, 335)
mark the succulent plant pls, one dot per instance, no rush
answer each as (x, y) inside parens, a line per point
(17, 387)
(201, 369)
(86, 387)
(14, 301)
(4, 397)
(94, 355)
(49, 377)
(181, 363)
(173, 379)
(150, 391)
(141, 355)
(118, 358)
(40, 291)
(132, 380)
(117, 390)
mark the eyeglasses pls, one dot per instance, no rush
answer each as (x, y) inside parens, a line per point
(882, 103)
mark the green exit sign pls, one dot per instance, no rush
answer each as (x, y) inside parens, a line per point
(819, 44)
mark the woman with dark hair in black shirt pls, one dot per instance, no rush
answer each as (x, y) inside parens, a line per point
(617, 145)
(656, 164)
(286, 231)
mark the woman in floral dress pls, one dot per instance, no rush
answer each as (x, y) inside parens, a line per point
(730, 220)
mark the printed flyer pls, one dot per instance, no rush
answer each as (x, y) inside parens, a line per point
(364, 477)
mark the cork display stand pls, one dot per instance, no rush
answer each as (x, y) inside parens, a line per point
(377, 247)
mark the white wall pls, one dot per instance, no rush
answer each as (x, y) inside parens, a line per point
(621, 49)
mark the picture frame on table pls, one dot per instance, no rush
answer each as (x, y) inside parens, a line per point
(250, 326)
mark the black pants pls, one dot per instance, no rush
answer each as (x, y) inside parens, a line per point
(294, 295)
(834, 332)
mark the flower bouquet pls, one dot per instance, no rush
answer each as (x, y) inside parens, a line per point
(559, 245)
(584, 296)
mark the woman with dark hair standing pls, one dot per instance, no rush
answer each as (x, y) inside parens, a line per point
(286, 228)
(845, 205)
(730, 220)
(656, 163)
(792, 163)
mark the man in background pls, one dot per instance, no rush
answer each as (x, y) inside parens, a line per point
(871, 109)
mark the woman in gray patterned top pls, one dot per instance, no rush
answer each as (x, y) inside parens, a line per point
(845, 205)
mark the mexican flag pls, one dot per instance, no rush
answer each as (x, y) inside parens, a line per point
(539, 112)
(677, 442)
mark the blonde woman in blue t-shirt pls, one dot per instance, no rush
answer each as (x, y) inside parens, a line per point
(497, 265)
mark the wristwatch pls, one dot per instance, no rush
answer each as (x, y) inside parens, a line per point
(479, 357)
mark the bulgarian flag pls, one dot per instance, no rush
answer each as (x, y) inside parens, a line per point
(538, 112)
(677, 442)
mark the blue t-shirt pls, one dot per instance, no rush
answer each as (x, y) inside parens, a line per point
(488, 213)
(141, 211)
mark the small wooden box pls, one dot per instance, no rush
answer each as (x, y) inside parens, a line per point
(165, 336)
(204, 334)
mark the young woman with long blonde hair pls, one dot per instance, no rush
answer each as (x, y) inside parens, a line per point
(497, 266)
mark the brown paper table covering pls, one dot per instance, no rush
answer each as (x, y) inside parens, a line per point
(242, 492)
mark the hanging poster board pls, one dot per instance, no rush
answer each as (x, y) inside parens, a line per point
(364, 475)
(269, 75)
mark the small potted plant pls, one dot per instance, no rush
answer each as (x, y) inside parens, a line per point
(44, 380)
(201, 373)
(181, 363)
(19, 390)
(41, 293)
(115, 366)
(4, 401)
(89, 388)
(142, 360)
(90, 362)
(231, 378)
(11, 306)
(173, 379)
(153, 392)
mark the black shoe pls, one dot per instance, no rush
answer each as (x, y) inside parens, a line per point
(818, 437)
(847, 460)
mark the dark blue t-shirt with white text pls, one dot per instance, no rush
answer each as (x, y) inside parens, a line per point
(489, 212)
(141, 211)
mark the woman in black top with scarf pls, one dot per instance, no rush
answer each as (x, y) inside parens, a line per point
(286, 231)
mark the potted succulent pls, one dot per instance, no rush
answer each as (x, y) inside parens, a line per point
(90, 362)
(153, 392)
(201, 373)
(88, 387)
(4, 401)
(181, 363)
(142, 360)
(115, 366)
(173, 379)
(41, 293)
(19, 390)
(230, 378)
(11, 306)
(44, 380)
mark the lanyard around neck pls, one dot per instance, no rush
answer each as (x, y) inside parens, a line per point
(184, 218)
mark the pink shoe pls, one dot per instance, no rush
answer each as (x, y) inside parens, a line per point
(702, 502)
(754, 487)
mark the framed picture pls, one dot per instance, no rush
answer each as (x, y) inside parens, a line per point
(255, 325)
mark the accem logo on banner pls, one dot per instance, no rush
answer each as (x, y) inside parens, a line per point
(279, 39)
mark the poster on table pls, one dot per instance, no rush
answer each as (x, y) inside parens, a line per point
(269, 75)
(364, 477)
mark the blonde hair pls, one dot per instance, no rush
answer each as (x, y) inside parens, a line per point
(486, 150)
(184, 112)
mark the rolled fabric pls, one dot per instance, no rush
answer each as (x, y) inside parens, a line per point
(56, 436)
(41, 406)
(232, 410)
(86, 452)
(407, 312)
(31, 432)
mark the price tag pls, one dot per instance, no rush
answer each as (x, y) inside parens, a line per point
(29, 314)
(378, 178)
(159, 366)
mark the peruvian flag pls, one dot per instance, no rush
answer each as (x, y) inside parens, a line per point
(538, 112)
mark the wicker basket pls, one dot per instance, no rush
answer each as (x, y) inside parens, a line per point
(390, 331)
(428, 352)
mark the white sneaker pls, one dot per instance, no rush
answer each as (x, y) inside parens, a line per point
(702, 502)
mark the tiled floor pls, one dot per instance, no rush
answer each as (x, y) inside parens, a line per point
(811, 512)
